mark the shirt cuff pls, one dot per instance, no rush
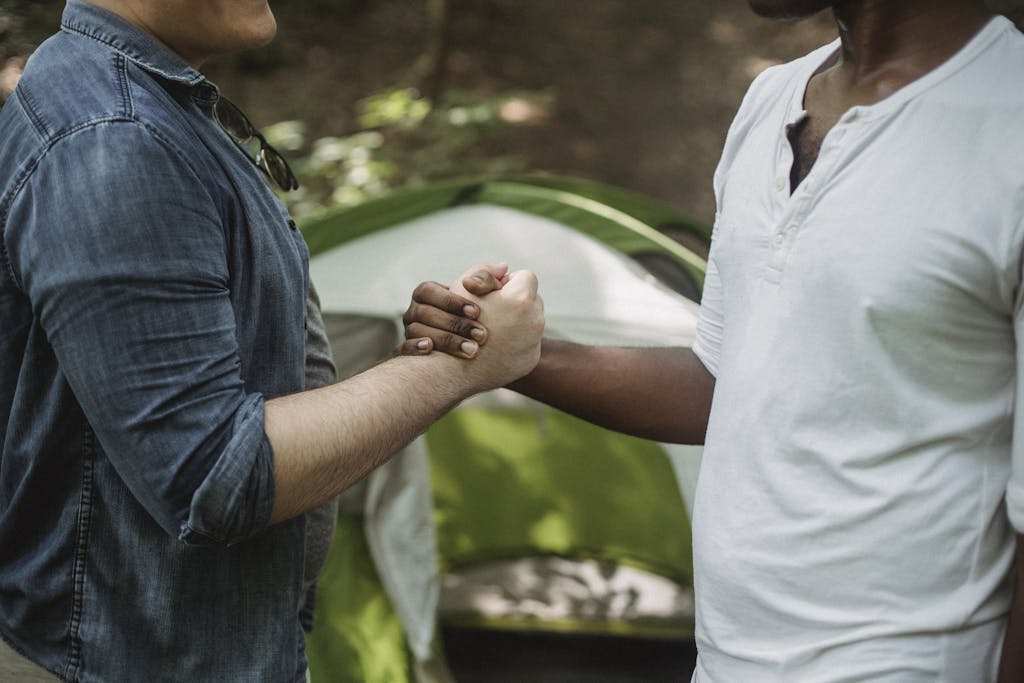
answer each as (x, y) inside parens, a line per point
(235, 500)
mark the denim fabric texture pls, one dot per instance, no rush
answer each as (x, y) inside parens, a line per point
(152, 296)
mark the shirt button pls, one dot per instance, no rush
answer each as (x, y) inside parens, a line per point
(779, 239)
(780, 183)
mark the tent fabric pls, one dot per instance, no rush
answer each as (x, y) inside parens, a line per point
(591, 293)
(356, 636)
(504, 476)
(557, 510)
(611, 216)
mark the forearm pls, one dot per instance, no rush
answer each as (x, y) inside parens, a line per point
(1011, 664)
(655, 393)
(327, 439)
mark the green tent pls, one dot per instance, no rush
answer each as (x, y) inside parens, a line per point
(507, 514)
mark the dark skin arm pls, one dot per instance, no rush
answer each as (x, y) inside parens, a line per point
(656, 393)
(1011, 664)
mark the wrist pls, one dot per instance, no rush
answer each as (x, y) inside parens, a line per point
(448, 378)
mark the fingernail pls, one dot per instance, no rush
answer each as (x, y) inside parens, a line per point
(478, 334)
(469, 348)
(422, 344)
(470, 311)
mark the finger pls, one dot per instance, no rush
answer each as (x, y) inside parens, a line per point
(483, 278)
(498, 270)
(483, 282)
(443, 323)
(436, 295)
(415, 347)
(446, 342)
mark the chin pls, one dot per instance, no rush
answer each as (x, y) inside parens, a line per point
(269, 23)
(261, 31)
(788, 10)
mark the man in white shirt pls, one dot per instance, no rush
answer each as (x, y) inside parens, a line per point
(863, 469)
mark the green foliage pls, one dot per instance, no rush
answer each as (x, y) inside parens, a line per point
(404, 140)
(23, 25)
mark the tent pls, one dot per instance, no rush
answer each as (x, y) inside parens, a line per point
(507, 514)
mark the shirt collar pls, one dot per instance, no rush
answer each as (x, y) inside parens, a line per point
(88, 20)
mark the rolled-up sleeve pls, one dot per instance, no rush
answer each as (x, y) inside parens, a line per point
(131, 287)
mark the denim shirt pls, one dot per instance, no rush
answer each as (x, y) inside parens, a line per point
(152, 296)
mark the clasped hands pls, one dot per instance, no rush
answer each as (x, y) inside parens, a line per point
(489, 315)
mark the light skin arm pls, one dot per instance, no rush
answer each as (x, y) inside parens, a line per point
(656, 393)
(1011, 664)
(327, 439)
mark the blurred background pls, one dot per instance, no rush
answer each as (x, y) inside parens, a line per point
(365, 95)
(369, 96)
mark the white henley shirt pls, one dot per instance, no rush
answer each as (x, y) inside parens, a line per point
(864, 456)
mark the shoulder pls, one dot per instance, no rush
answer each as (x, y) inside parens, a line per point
(70, 82)
(974, 115)
(74, 81)
(85, 115)
(102, 186)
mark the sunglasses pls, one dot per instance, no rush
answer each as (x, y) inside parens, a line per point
(267, 159)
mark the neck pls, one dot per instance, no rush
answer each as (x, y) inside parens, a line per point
(902, 39)
(136, 15)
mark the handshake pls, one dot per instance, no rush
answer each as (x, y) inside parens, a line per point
(489, 315)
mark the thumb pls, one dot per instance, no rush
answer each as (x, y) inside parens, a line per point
(485, 278)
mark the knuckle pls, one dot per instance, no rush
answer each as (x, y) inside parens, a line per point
(451, 303)
(421, 290)
(461, 327)
(448, 341)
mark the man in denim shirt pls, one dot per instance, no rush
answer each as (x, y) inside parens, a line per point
(158, 450)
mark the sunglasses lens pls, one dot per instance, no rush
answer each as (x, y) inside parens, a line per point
(278, 169)
(232, 120)
(269, 160)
